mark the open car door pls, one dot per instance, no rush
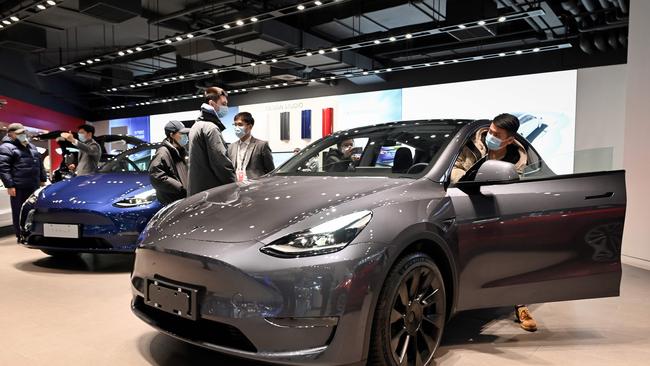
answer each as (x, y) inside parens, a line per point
(540, 239)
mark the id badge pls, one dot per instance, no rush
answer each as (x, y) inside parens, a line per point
(241, 175)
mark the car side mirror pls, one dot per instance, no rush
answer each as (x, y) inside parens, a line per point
(491, 172)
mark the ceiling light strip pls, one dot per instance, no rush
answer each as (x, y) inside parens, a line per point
(339, 48)
(359, 73)
(181, 38)
(27, 11)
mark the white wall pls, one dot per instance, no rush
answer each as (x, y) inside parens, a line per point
(600, 117)
(636, 239)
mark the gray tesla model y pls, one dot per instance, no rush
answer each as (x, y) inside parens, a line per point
(360, 248)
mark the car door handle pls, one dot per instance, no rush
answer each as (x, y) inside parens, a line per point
(604, 195)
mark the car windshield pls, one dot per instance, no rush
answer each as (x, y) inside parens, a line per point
(136, 160)
(405, 149)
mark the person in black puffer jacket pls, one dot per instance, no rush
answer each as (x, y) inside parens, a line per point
(21, 169)
(168, 168)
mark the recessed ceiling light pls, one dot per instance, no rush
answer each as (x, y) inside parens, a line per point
(1, 26)
(243, 90)
(166, 80)
(253, 19)
(145, 83)
(181, 77)
(274, 60)
(309, 53)
(301, 7)
(502, 54)
(15, 19)
(268, 86)
(129, 51)
(365, 72)
(276, 85)
(179, 38)
(168, 41)
(427, 64)
(138, 84)
(377, 41)
(114, 89)
(392, 39)
(408, 36)
(502, 19)
(321, 52)
(481, 22)
(462, 26)
(206, 72)
(377, 71)
(190, 35)
(226, 26)
(240, 22)
(441, 62)
(263, 62)
(41, 7)
(334, 49)
(313, 80)
(62, 68)
(121, 53)
(535, 49)
(6, 22)
(51, 2)
(318, 3)
(97, 60)
(322, 79)
(518, 52)
(214, 71)
(389, 70)
(132, 86)
(253, 64)
(138, 49)
(454, 60)
(89, 62)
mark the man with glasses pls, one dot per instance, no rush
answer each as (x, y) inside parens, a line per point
(252, 157)
(209, 165)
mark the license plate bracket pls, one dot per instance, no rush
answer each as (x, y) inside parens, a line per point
(69, 231)
(172, 298)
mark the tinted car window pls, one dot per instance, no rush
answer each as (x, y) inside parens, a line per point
(401, 149)
(137, 160)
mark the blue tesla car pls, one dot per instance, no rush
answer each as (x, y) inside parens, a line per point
(101, 212)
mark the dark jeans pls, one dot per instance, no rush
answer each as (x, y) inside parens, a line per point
(22, 194)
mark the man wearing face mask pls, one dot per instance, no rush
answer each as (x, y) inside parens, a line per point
(168, 168)
(252, 157)
(21, 169)
(89, 150)
(209, 165)
(497, 142)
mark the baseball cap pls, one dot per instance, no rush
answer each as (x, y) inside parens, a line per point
(16, 127)
(175, 126)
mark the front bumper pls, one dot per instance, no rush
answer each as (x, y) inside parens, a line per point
(100, 231)
(314, 310)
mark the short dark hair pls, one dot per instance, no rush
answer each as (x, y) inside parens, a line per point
(246, 117)
(508, 122)
(87, 128)
(214, 93)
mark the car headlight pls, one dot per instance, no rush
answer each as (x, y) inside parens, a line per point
(34, 196)
(325, 238)
(139, 199)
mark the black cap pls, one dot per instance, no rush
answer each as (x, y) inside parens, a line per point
(175, 126)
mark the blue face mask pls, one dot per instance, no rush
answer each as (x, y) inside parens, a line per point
(240, 131)
(223, 111)
(492, 142)
(184, 139)
(82, 137)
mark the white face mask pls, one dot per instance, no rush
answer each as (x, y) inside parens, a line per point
(22, 138)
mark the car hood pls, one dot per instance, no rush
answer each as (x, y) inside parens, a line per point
(94, 189)
(245, 212)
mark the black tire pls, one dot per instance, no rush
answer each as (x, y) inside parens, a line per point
(59, 253)
(410, 314)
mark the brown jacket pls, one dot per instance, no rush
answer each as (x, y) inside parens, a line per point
(469, 156)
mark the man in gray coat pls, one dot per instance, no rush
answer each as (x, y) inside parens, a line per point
(89, 150)
(252, 157)
(209, 165)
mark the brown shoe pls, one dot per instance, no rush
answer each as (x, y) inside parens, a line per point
(526, 320)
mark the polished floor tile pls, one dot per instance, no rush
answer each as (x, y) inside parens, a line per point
(76, 312)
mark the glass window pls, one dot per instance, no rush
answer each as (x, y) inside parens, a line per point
(131, 161)
(400, 149)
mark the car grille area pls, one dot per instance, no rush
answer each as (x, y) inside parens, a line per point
(199, 331)
(82, 243)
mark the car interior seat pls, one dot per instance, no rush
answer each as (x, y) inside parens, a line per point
(403, 160)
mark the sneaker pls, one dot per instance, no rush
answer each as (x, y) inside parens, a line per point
(525, 320)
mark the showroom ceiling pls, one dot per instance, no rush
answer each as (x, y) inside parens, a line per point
(124, 53)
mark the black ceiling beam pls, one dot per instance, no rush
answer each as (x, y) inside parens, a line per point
(342, 11)
(187, 11)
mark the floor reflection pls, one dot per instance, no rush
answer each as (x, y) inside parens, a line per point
(86, 263)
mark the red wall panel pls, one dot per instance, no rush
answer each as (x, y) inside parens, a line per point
(16, 111)
(328, 121)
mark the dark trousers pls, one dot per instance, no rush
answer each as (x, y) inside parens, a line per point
(22, 194)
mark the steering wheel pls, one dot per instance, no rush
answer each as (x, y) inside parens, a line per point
(417, 165)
